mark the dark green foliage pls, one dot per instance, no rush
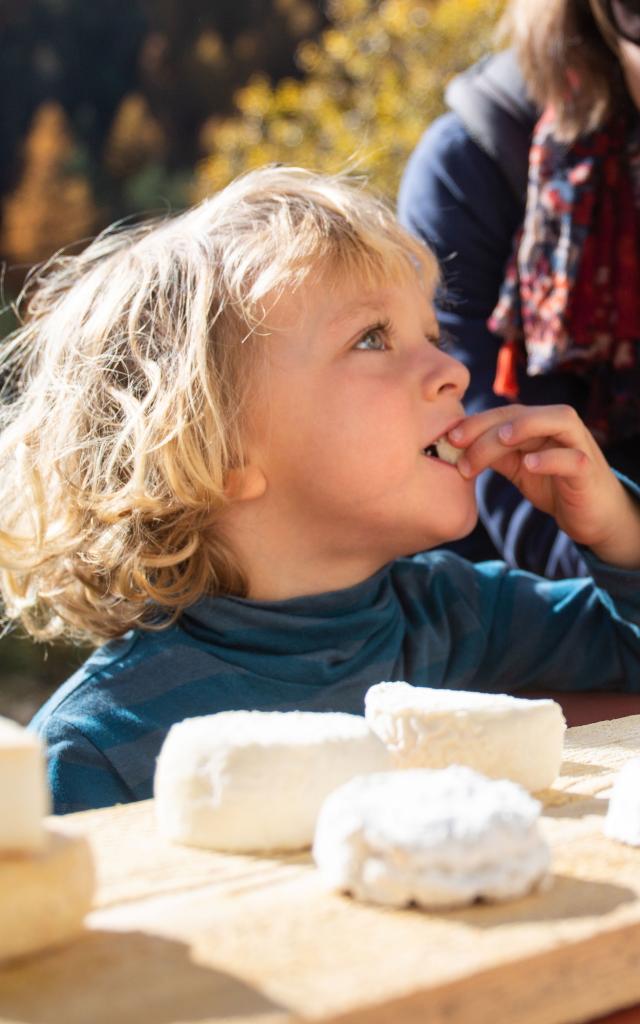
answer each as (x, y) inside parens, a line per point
(186, 58)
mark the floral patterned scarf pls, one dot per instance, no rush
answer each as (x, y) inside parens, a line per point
(570, 301)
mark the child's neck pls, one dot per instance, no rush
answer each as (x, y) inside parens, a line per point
(283, 580)
(281, 564)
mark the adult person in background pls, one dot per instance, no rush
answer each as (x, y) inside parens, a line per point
(529, 192)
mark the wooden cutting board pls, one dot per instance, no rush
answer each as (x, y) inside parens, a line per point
(181, 935)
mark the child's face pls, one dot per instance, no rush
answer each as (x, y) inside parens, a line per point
(354, 390)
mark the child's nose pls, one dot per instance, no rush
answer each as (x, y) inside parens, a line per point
(445, 374)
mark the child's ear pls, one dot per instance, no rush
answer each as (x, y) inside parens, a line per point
(245, 483)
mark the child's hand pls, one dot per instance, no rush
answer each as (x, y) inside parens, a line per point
(551, 457)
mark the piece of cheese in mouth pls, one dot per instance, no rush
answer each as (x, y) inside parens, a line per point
(501, 736)
(447, 453)
(439, 839)
(255, 780)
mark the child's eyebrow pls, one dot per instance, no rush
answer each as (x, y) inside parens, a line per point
(356, 309)
(375, 308)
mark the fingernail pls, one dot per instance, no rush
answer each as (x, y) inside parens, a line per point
(455, 434)
(463, 466)
(531, 461)
(505, 432)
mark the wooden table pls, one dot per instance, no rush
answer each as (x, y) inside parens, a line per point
(585, 709)
(589, 708)
(180, 936)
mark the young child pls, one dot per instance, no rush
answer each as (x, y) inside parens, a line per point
(218, 455)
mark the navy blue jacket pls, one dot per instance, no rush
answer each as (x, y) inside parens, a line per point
(463, 193)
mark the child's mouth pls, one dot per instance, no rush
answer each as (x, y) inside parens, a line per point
(442, 450)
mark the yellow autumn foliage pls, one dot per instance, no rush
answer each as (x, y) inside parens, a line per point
(373, 81)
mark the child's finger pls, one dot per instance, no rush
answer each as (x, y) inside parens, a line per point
(558, 422)
(570, 463)
(527, 429)
(488, 450)
(517, 423)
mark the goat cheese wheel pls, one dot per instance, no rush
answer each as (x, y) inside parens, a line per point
(255, 780)
(44, 896)
(439, 839)
(24, 793)
(501, 736)
(622, 820)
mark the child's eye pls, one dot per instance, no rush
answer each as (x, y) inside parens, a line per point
(374, 339)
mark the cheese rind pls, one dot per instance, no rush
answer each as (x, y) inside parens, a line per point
(45, 896)
(435, 838)
(622, 820)
(24, 793)
(255, 780)
(501, 736)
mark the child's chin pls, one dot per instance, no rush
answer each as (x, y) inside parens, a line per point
(459, 527)
(465, 529)
(431, 541)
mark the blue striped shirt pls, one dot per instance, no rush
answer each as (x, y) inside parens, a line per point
(433, 620)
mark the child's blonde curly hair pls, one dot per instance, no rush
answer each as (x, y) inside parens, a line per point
(125, 388)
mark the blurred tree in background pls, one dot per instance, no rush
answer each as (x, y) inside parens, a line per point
(115, 94)
(372, 82)
(122, 107)
(52, 205)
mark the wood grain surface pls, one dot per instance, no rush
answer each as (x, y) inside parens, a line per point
(180, 935)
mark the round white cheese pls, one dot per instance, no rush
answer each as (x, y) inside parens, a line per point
(501, 736)
(45, 896)
(24, 792)
(622, 820)
(433, 838)
(255, 780)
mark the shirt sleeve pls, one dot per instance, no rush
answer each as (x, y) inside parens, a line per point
(80, 776)
(569, 635)
(455, 198)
